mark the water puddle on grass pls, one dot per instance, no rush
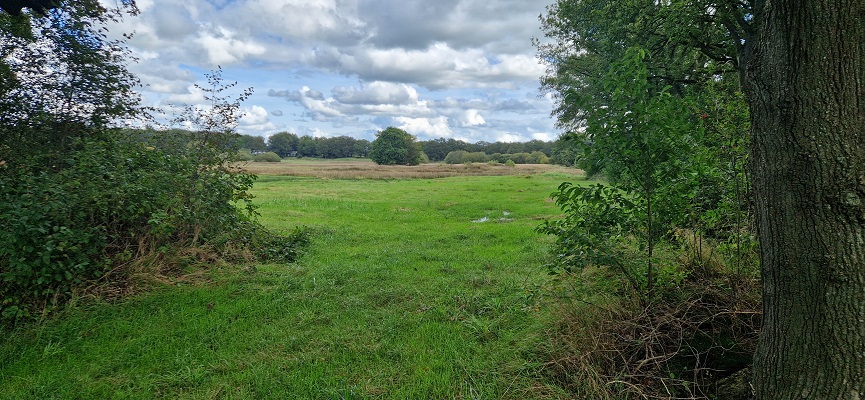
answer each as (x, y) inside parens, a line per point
(501, 220)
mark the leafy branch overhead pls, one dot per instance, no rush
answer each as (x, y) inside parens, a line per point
(40, 7)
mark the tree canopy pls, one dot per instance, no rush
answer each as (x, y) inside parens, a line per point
(394, 146)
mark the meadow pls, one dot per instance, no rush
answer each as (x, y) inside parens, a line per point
(421, 288)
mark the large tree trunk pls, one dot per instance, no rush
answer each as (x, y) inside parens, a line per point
(806, 86)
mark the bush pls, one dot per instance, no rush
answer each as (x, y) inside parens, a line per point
(510, 163)
(245, 155)
(464, 157)
(455, 157)
(267, 157)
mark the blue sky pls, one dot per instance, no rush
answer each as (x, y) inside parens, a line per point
(462, 69)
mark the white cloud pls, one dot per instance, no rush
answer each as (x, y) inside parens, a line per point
(428, 128)
(193, 95)
(255, 115)
(545, 136)
(376, 93)
(224, 47)
(471, 118)
(445, 68)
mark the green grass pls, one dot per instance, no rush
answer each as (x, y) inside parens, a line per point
(403, 294)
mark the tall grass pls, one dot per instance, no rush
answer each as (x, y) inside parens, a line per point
(354, 168)
(411, 289)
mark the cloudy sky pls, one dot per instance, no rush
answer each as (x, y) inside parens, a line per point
(462, 69)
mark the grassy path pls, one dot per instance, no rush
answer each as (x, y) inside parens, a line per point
(412, 289)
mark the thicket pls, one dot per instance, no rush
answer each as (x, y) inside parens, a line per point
(661, 256)
(465, 157)
(82, 202)
(287, 144)
(267, 157)
(438, 149)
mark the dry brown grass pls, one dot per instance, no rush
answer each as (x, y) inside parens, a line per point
(683, 348)
(365, 169)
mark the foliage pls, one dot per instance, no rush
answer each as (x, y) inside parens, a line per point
(394, 146)
(438, 149)
(289, 145)
(283, 144)
(648, 94)
(465, 157)
(83, 200)
(267, 157)
(252, 143)
(62, 74)
(245, 155)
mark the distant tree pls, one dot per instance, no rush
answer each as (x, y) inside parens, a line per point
(307, 147)
(341, 147)
(253, 143)
(283, 143)
(438, 149)
(360, 148)
(394, 146)
(564, 152)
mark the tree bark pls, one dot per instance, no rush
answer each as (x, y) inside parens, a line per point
(805, 82)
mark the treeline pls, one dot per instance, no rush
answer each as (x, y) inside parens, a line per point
(462, 157)
(438, 149)
(287, 144)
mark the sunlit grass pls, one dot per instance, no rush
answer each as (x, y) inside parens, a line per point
(403, 294)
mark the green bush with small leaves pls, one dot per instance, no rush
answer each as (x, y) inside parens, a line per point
(267, 157)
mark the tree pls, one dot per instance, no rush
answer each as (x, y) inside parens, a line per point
(801, 66)
(360, 148)
(806, 85)
(63, 75)
(283, 143)
(41, 7)
(394, 146)
(254, 143)
(307, 147)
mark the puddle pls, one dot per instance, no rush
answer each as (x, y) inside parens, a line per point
(499, 220)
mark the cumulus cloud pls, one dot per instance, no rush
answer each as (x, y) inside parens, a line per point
(376, 93)
(347, 103)
(425, 128)
(173, 21)
(438, 66)
(224, 46)
(471, 118)
(446, 68)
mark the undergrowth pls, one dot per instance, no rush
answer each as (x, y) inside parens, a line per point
(694, 340)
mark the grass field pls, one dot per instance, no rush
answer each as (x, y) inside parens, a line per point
(411, 289)
(354, 168)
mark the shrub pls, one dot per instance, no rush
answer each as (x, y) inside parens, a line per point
(455, 157)
(510, 163)
(245, 155)
(115, 196)
(267, 157)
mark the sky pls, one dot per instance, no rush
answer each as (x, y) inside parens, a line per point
(461, 69)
